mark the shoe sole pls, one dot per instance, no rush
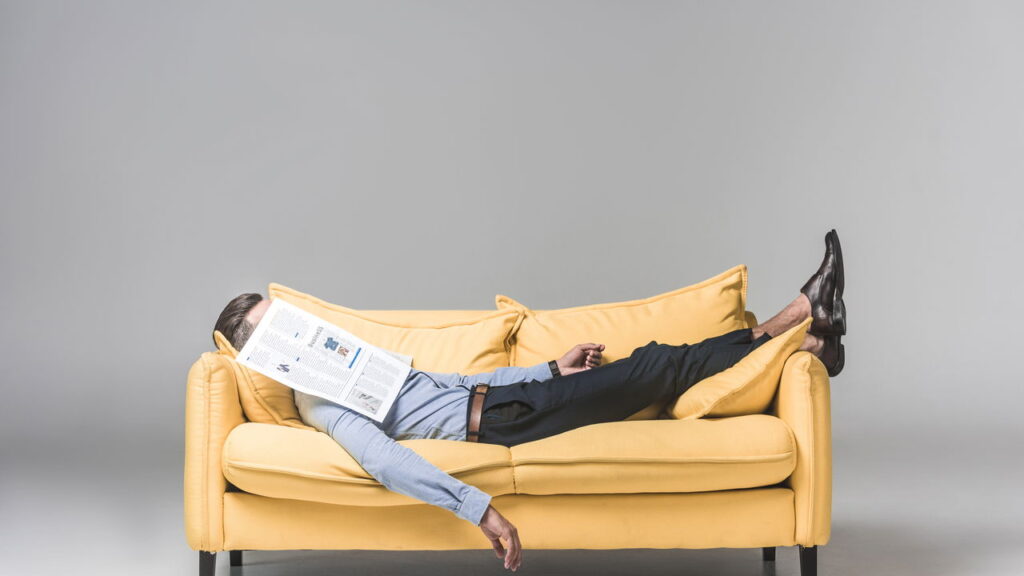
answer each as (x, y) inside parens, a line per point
(838, 306)
(840, 272)
(837, 318)
(834, 371)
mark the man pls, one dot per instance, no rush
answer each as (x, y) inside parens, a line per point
(524, 404)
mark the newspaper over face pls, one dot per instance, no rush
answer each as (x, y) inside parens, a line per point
(309, 354)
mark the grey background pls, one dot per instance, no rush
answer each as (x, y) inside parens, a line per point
(157, 159)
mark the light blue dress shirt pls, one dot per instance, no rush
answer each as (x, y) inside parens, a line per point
(429, 405)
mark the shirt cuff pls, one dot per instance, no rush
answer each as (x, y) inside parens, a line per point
(541, 372)
(474, 505)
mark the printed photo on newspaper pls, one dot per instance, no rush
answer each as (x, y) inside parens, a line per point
(307, 353)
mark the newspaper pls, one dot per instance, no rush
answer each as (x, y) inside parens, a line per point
(309, 354)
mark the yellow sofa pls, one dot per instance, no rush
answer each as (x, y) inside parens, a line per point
(750, 481)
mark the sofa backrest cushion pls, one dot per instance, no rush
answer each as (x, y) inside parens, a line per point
(682, 316)
(746, 387)
(465, 341)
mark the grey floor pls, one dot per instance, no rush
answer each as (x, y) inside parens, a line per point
(902, 506)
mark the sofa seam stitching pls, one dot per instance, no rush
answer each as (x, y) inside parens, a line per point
(598, 460)
(206, 453)
(243, 465)
(515, 482)
(340, 479)
(812, 443)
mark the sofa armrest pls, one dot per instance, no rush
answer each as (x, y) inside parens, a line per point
(212, 410)
(803, 403)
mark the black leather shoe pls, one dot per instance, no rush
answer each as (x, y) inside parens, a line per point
(825, 291)
(833, 354)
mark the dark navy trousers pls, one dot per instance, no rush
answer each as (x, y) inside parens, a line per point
(528, 411)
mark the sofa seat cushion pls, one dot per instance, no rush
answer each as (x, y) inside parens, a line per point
(658, 456)
(635, 456)
(282, 462)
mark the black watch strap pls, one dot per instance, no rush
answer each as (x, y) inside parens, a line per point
(553, 365)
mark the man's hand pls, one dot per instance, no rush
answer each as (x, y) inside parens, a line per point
(495, 527)
(581, 357)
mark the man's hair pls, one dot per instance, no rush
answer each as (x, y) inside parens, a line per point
(232, 323)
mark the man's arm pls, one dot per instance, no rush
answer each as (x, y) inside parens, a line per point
(498, 377)
(402, 470)
(509, 375)
(580, 357)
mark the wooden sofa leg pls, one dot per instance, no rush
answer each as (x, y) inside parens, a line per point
(236, 557)
(207, 563)
(768, 554)
(809, 561)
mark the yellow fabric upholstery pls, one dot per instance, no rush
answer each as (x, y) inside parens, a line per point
(286, 463)
(611, 457)
(737, 481)
(750, 318)
(804, 403)
(683, 316)
(657, 456)
(724, 519)
(212, 410)
(438, 341)
(746, 387)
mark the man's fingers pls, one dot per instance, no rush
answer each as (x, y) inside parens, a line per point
(510, 550)
(515, 550)
(499, 550)
(519, 549)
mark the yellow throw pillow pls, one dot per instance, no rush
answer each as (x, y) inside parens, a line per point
(464, 341)
(746, 387)
(682, 316)
(263, 399)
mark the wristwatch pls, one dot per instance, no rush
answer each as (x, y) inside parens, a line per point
(553, 365)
